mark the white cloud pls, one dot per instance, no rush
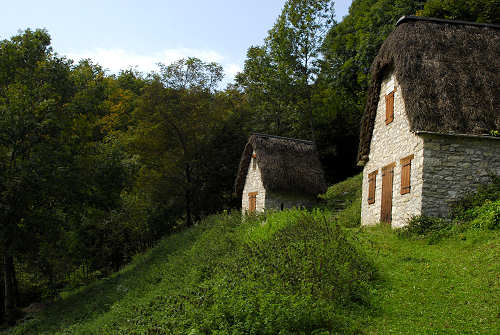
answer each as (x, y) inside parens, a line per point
(115, 60)
(232, 69)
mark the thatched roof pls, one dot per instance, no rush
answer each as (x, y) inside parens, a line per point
(449, 73)
(287, 165)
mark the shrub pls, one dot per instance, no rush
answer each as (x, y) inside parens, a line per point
(296, 273)
(461, 210)
(478, 210)
(485, 216)
(423, 225)
(292, 272)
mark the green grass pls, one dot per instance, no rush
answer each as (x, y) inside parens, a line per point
(298, 272)
(450, 287)
(344, 199)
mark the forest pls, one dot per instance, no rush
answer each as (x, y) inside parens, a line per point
(97, 167)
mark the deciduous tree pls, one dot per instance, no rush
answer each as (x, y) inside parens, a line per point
(177, 114)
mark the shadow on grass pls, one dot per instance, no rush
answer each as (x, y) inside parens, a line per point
(94, 300)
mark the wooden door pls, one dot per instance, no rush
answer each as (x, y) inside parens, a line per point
(252, 201)
(386, 206)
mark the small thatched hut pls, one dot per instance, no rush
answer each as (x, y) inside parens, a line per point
(278, 172)
(433, 102)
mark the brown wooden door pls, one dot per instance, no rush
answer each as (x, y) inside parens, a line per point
(386, 206)
(252, 201)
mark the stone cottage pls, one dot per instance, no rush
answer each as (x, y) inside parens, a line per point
(433, 103)
(278, 172)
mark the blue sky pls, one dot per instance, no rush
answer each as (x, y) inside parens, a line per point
(120, 34)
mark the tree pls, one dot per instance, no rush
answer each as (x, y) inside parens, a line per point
(178, 113)
(34, 87)
(268, 92)
(279, 76)
(295, 42)
(348, 52)
(487, 11)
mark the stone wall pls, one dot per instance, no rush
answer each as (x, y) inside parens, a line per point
(390, 143)
(453, 166)
(253, 183)
(275, 200)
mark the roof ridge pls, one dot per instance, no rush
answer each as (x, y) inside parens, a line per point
(283, 138)
(409, 18)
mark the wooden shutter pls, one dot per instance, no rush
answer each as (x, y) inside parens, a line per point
(389, 107)
(252, 201)
(372, 185)
(405, 174)
(386, 201)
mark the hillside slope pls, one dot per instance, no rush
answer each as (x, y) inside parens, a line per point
(294, 272)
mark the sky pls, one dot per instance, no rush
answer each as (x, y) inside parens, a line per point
(118, 34)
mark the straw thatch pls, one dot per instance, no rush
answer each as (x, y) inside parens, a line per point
(287, 165)
(449, 73)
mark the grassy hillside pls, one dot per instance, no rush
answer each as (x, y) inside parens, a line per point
(297, 272)
(452, 287)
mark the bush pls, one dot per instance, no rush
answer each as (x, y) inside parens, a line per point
(424, 225)
(463, 209)
(485, 216)
(478, 210)
(295, 273)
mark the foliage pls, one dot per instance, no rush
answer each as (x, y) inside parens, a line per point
(179, 112)
(489, 192)
(487, 11)
(431, 227)
(477, 210)
(486, 216)
(62, 173)
(280, 80)
(345, 199)
(216, 277)
(348, 50)
(35, 88)
(229, 276)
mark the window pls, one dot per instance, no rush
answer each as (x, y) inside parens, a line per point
(254, 161)
(405, 174)
(389, 107)
(252, 201)
(372, 180)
